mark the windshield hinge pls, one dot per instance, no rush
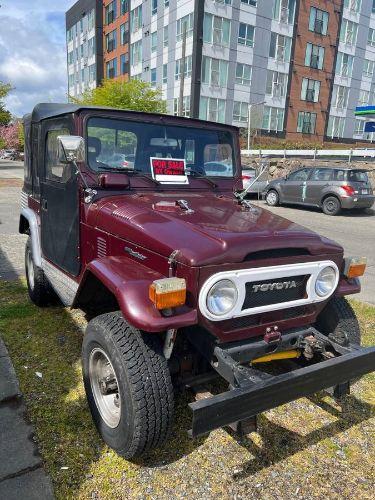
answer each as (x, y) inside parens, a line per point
(89, 195)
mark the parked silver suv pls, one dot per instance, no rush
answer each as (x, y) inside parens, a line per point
(331, 189)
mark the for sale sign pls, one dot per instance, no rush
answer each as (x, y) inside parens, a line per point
(169, 170)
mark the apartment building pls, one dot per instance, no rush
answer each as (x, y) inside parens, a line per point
(302, 65)
(116, 39)
(84, 37)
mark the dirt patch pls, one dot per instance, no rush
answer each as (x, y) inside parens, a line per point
(11, 183)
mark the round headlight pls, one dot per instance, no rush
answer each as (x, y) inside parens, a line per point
(222, 297)
(325, 281)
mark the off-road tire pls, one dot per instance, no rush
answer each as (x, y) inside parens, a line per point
(273, 200)
(331, 205)
(339, 322)
(144, 385)
(37, 284)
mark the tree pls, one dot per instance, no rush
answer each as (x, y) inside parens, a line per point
(134, 95)
(5, 116)
(9, 136)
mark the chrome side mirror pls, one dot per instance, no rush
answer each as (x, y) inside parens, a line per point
(71, 148)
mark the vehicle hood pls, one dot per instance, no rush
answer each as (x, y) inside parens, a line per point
(211, 229)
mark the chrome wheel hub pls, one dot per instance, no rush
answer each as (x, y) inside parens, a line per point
(271, 198)
(104, 386)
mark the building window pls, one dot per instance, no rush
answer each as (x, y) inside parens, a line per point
(71, 82)
(124, 60)
(283, 11)
(310, 90)
(178, 68)
(368, 68)
(154, 42)
(273, 119)
(92, 73)
(91, 20)
(373, 6)
(344, 65)
(348, 33)
(165, 36)
(253, 3)
(165, 73)
(318, 22)
(335, 126)
(111, 68)
(225, 2)
(359, 127)
(353, 5)
(166, 4)
(276, 83)
(216, 30)
(136, 19)
(314, 56)
(153, 77)
(371, 37)
(246, 35)
(306, 122)
(243, 74)
(280, 47)
(154, 7)
(341, 95)
(214, 71)
(110, 12)
(70, 57)
(212, 109)
(136, 53)
(69, 35)
(82, 50)
(364, 98)
(124, 6)
(91, 46)
(240, 111)
(111, 41)
(124, 29)
(181, 23)
(185, 106)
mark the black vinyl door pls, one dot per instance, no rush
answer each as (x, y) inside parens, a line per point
(59, 204)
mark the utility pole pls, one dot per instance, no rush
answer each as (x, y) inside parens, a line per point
(182, 75)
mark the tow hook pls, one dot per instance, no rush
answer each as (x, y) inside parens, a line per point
(312, 346)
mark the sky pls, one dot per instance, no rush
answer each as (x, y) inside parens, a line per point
(32, 52)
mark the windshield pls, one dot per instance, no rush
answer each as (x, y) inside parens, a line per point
(357, 176)
(130, 145)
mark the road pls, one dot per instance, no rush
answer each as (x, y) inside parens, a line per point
(355, 232)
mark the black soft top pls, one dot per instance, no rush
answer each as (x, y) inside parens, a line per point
(44, 111)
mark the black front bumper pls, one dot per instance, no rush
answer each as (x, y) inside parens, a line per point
(259, 395)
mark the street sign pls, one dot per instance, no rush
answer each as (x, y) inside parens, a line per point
(370, 127)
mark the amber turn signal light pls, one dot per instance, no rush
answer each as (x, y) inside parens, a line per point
(355, 267)
(168, 292)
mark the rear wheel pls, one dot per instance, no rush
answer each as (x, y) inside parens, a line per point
(128, 385)
(272, 198)
(37, 284)
(331, 205)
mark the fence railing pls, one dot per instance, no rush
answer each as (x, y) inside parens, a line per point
(347, 154)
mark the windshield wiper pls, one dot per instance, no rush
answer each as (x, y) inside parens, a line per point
(199, 175)
(123, 170)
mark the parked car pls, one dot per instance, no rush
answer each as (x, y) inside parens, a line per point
(120, 160)
(329, 188)
(8, 154)
(185, 281)
(217, 168)
(248, 177)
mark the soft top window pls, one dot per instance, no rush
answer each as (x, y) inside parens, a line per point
(129, 145)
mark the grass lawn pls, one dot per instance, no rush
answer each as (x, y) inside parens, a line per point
(310, 448)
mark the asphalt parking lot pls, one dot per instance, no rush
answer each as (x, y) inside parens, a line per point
(354, 231)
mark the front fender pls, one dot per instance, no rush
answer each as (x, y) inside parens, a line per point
(129, 282)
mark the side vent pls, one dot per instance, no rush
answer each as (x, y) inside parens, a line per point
(101, 247)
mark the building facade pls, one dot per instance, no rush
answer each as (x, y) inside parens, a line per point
(116, 39)
(84, 35)
(302, 65)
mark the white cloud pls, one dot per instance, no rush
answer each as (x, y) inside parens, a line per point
(32, 52)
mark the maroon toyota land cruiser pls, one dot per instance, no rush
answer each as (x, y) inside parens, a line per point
(140, 220)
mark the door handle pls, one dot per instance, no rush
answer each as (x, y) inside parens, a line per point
(44, 205)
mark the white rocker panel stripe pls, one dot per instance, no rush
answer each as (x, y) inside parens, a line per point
(65, 287)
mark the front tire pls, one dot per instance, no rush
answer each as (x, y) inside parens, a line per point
(37, 284)
(331, 205)
(339, 322)
(128, 385)
(272, 198)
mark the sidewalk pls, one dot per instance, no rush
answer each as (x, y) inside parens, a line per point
(21, 467)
